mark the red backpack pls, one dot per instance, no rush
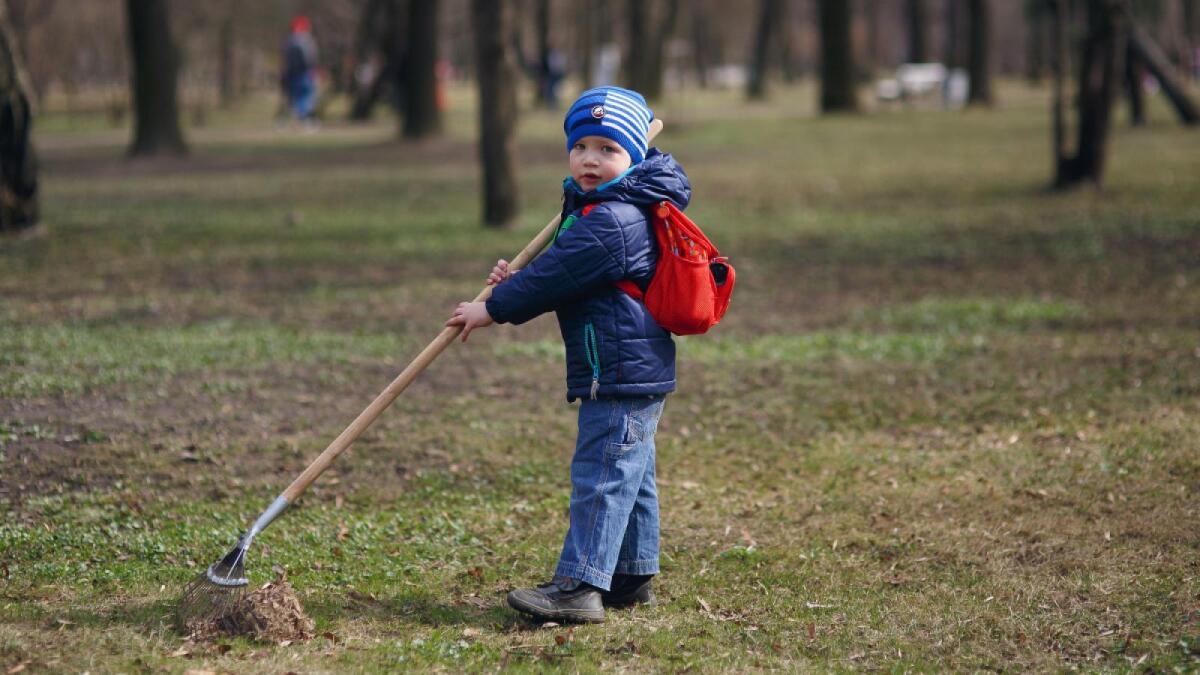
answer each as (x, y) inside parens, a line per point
(692, 282)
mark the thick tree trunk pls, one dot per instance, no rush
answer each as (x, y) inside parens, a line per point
(18, 162)
(1133, 88)
(420, 99)
(647, 38)
(1157, 63)
(155, 69)
(770, 15)
(953, 55)
(1099, 74)
(918, 40)
(838, 92)
(496, 73)
(979, 53)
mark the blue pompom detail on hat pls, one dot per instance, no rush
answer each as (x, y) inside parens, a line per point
(620, 115)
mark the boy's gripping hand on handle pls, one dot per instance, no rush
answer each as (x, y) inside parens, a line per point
(472, 315)
(499, 273)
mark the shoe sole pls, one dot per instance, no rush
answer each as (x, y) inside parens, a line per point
(572, 615)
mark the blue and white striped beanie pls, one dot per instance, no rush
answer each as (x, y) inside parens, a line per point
(614, 113)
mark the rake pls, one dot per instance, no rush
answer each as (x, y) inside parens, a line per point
(214, 592)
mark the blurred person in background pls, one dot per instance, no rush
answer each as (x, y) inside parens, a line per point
(299, 78)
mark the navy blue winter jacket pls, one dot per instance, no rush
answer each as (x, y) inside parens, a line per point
(614, 347)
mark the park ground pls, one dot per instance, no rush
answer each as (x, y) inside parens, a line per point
(949, 423)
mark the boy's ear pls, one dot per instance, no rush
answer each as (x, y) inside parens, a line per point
(655, 129)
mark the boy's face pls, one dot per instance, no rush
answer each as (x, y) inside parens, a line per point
(595, 160)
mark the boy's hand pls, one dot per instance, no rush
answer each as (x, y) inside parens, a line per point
(499, 273)
(470, 315)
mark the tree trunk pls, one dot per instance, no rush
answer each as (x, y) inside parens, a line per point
(1191, 26)
(377, 55)
(1156, 62)
(541, 29)
(1133, 88)
(18, 162)
(1098, 83)
(646, 41)
(225, 61)
(420, 99)
(918, 49)
(1058, 69)
(954, 51)
(701, 41)
(497, 80)
(586, 30)
(155, 69)
(770, 14)
(979, 53)
(874, 38)
(1035, 26)
(838, 92)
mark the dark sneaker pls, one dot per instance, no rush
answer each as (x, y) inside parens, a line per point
(628, 590)
(550, 602)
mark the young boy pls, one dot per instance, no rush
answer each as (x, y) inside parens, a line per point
(620, 363)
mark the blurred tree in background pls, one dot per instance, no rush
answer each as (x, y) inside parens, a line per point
(838, 79)
(979, 58)
(650, 24)
(496, 76)
(418, 72)
(918, 41)
(155, 77)
(770, 30)
(18, 163)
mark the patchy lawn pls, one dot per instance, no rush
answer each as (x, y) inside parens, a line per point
(950, 422)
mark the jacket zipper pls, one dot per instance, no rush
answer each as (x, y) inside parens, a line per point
(592, 350)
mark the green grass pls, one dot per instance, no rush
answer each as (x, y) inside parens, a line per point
(949, 423)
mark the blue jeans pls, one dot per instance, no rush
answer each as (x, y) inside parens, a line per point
(614, 504)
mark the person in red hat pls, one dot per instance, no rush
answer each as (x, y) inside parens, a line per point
(299, 79)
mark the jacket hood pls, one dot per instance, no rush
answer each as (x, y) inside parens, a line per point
(656, 178)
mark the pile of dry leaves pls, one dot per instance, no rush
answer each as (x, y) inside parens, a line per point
(269, 614)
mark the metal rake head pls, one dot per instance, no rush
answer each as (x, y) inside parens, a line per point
(214, 592)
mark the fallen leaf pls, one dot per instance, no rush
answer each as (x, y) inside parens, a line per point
(343, 531)
(471, 632)
(704, 605)
(812, 631)
(328, 635)
(560, 639)
(284, 643)
(182, 651)
(18, 668)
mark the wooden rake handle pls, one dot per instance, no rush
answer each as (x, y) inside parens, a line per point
(417, 365)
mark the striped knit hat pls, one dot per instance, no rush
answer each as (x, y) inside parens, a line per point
(618, 114)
